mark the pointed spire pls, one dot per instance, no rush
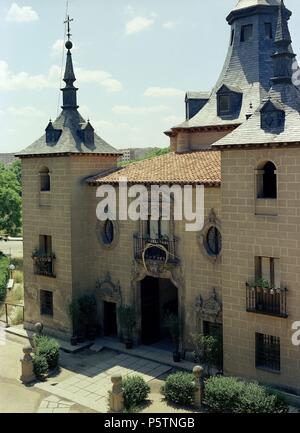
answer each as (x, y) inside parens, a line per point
(69, 91)
(284, 57)
(282, 31)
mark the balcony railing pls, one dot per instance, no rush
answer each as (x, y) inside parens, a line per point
(272, 302)
(44, 264)
(161, 249)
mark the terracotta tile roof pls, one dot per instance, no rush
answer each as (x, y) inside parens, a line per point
(202, 167)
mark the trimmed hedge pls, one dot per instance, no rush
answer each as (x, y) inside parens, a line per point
(179, 388)
(40, 367)
(136, 391)
(49, 349)
(4, 276)
(228, 395)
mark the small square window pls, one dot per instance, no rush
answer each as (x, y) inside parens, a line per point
(224, 104)
(246, 33)
(268, 31)
(268, 352)
(46, 303)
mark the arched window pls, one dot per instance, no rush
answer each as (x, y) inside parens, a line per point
(108, 233)
(45, 180)
(267, 181)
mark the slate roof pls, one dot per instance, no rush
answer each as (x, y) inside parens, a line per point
(197, 95)
(284, 97)
(203, 167)
(247, 67)
(68, 129)
(242, 4)
(70, 142)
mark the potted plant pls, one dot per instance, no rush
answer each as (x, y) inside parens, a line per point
(172, 323)
(127, 322)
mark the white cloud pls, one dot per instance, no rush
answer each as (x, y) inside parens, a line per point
(26, 111)
(169, 25)
(21, 14)
(102, 78)
(57, 47)
(22, 80)
(126, 109)
(138, 24)
(158, 92)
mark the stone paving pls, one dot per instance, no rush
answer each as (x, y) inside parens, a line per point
(53, 404)
(89, 385)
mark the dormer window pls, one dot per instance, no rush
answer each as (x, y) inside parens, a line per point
(246, 33)
(229, 101)
(224, 102)
(87, 134)
(52, 134)
(268, 31)
(272, 116)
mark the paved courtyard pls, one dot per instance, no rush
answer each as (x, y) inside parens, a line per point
(89, 385)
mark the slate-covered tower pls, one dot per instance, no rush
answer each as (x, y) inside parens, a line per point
(56, 204)
(243, 83)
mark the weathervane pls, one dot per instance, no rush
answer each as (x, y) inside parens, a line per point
(69, 44)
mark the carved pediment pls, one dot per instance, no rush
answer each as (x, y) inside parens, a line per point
(211, 307)
(108, 290)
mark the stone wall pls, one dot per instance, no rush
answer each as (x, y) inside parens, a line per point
(247, 234)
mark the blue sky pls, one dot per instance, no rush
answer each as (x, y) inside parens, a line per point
(134, 60)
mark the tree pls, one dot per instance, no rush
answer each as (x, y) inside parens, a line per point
(10, 200)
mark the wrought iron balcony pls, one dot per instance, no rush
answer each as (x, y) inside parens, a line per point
(161, 249)
(44, 264)
(271, 302)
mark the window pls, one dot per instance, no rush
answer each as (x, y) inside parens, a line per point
(268, 31)
(268, 352)
(224, 104)
(232, 37)
(108, 232)
(246, 33)
(213, 241)
(157, 228)
(45, 180)
(46, 303)
(46, 244)
(267, 268)
(267, 181)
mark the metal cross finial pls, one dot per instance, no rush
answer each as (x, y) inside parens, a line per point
(68, 21)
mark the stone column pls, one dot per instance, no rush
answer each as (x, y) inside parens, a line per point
(116, 395)
(198, 373)
(27, 373)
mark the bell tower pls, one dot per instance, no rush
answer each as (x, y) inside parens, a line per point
(56, 207)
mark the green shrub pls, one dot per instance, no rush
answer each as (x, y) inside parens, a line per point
(179, 388)
(136, 391)
(208, 351)
(40, 366)
(222, 393)
(228, 395)
(49, 349)
(4, 276)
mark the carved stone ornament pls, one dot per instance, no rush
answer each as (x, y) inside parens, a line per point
(211, 307)
(107, 289)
